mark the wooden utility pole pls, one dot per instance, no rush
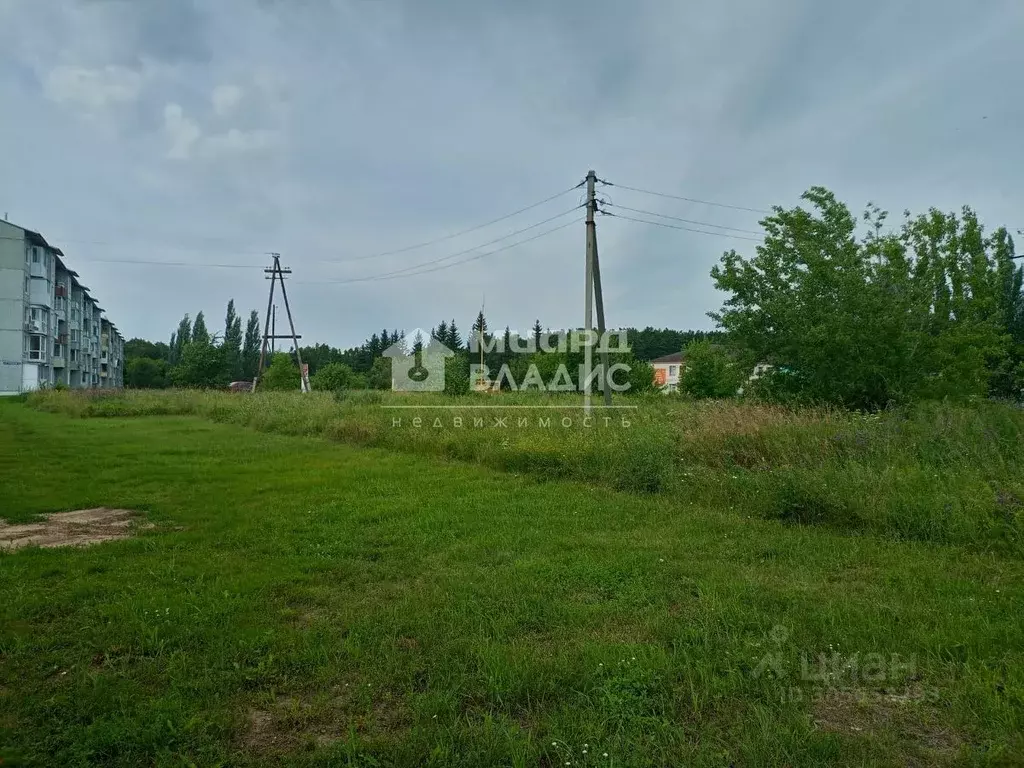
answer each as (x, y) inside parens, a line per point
(592, 283)
(276, 273)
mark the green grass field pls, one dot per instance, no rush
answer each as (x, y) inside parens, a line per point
(421, 599)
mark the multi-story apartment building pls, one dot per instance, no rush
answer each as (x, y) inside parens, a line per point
(51, 330)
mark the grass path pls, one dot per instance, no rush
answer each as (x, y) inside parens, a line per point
(302, 602)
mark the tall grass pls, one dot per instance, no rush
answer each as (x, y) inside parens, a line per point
(937, 472)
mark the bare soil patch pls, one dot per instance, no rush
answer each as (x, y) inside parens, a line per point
(290, 723)
(70, 529)
(924, 738)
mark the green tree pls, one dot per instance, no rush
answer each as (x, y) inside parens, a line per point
(640, 375)
(232, 346)
(282, 375)
(180, 339)
(251, 346)
(145, 373)
(199, 332)
(332, 377)
(456, 374)
(379, 376)
(201, 366)
(708, 372)
(454, 338)
(479, 335)
(142, 348)
(864, 321)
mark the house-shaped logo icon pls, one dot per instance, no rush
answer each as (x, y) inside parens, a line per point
(417, 363)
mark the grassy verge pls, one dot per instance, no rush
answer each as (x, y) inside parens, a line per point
(303, 603)
(937, 473)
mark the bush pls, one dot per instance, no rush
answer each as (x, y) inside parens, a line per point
(332, 378)
(379, 376)
(282, 375)
(708, 372)
(641, 376)
(456, 375)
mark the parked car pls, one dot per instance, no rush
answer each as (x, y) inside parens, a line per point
(240, 386)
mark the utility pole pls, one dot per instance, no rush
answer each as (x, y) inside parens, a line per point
(273, 330)
(588, 282)
(274, 274)
(599, 301)
(594, 295)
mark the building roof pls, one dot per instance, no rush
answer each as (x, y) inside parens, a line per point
(36, 239)
(675, 357)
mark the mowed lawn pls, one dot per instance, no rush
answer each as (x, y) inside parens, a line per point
(306, 603)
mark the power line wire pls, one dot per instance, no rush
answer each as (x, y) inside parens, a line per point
(686, 221)
(393, 276)
(685, 229)
(686, 199)
(172, 263)
(474, 248)
(452, 236)
(386, 274)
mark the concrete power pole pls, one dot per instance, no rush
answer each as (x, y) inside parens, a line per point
(592, 282)
(588, 282)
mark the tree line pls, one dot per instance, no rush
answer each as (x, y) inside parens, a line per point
(195, 357)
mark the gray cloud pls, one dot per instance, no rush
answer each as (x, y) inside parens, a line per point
(214, 132)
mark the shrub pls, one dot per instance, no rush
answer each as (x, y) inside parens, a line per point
(708, 372)
(332, 378)
(282, 374)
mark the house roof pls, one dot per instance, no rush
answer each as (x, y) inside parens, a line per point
(675, 357)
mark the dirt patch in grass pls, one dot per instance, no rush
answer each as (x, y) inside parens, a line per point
(292, 723)
(70, 529)
(904, 716)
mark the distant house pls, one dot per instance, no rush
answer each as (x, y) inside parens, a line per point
(667, 371)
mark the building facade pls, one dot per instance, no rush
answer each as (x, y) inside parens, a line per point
(52, 332)
(668, 370)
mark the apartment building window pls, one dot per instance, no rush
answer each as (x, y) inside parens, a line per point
(35, 254)
(76, 336)
(36, 348)
(74, 355)
(58, 349)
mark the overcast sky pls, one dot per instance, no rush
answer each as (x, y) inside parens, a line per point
(212, 132)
